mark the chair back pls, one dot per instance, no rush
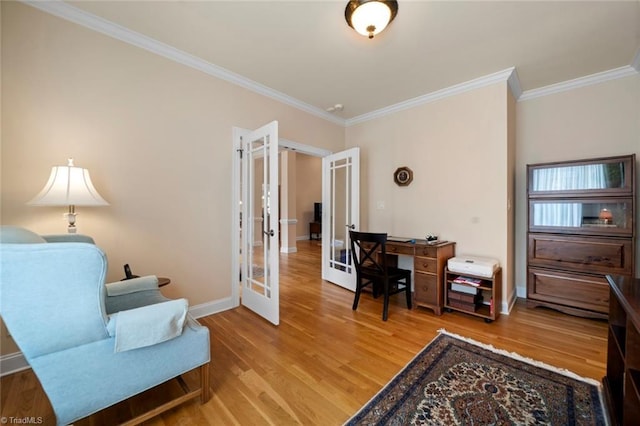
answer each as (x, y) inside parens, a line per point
(365, 247)
(60, 287)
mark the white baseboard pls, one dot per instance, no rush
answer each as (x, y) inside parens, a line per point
(12, 363)
(213, 307)
(288, 249)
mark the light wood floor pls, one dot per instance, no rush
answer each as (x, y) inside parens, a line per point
(324, 361)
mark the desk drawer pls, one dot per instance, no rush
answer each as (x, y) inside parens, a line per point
(426, 251)
(425, 264)
(426, 288)
(394, 248)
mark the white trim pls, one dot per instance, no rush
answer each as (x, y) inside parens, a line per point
(302, 148)
(636, 61)
(293, 249)
(576, 83)
(507, 305)
(78, 16)
(12, 363)
(213, 307)
(237, 134)
(505, 75)
(514, 84)
(288, 221)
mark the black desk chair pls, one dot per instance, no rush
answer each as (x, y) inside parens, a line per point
(372, 268)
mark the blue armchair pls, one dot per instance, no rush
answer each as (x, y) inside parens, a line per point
(92, 344)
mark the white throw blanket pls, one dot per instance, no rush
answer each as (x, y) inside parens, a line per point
(148, 325)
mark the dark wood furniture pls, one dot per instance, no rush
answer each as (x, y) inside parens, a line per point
(490, 289)
(315, 228)
(622, 382)
(429, 261)
(372, 269)
(581, 227)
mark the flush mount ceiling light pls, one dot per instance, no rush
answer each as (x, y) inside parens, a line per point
(370, 17)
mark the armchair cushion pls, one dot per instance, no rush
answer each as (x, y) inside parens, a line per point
(17, 235)
(68, 238)
(149, 282)
(147, 325)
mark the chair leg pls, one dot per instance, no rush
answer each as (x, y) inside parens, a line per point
(408, 291)
(204, 383)
(385, 309)
(356, 299)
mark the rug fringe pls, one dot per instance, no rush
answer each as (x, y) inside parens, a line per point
(519, 357)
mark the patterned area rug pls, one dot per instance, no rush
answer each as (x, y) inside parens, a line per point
(457, 381)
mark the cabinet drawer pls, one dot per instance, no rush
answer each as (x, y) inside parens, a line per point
(600, 255)
(581, 291)
(426, 251)
(426, 288)
(425, 264)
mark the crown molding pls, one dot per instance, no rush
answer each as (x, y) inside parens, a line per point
(73, 14)
(580, 82)
(509, 75)
(636, 61)
(78, 16)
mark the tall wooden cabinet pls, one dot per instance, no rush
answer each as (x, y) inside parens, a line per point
(622, 382)
(581, 227)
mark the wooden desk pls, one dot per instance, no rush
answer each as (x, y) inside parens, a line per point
(429, 261)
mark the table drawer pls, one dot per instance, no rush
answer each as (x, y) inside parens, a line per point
(425, 264)
(582, 291)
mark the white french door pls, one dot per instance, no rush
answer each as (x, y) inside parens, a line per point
(259, 241)
(340, 213)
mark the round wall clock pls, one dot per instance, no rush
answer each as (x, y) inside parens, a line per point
(403, 176)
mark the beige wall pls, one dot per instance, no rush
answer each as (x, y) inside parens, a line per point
(595, 121)
(156, 136)
(458, 149)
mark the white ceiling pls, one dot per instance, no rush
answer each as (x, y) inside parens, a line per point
(305, 50)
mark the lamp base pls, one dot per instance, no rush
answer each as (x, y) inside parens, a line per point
(71, 218)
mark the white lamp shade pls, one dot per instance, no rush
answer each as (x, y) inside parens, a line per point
(371, 15)
(68, 186)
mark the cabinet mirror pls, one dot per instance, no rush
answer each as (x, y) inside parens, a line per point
(588, 216)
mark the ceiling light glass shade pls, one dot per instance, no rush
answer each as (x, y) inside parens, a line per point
(68, 186)
(370, 17)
